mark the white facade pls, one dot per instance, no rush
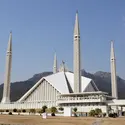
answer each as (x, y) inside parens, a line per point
(47, 90)
(67, 111)
(85, 101)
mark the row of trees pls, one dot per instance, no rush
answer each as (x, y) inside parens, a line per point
(53, 110)
(14, 110)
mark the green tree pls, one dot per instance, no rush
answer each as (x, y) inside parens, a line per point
(75, 109)
(23, 110)
(98, 111)
(92, 113)
(1, 111)
(14, 110)
(7, 110)
(53, 111)
(61, 108)
(10, 113)
(44, 108)
(33, 111)
(40, 111)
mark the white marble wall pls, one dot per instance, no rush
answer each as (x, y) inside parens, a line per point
(44, 92)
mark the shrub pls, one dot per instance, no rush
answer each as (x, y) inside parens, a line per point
(113, 115)
(52, 114)
(98, 111)
(19, 111)
(61, 108)
(33, 111)
(14, 110)
(75, 115)
(92, 113)
(40, 111)
(123, 113)
(10, 113)
(1, 111)
(44, 108)
(7, 110)
(104, 114)
(75, 109)
(110, 114)
(53, 111)
(23, 110)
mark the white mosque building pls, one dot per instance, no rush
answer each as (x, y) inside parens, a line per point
(64, 88)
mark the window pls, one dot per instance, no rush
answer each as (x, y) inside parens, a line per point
(77, 36)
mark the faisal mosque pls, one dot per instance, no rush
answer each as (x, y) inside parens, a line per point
(64, 88)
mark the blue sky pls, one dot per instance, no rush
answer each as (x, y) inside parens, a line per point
(40, 27)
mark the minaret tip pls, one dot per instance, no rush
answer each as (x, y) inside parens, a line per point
(112, 56)
(112, 45)
(10, 42)
(76, 28)
(55, 64)
(112, 41)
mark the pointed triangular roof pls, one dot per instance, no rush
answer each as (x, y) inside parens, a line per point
(62, 82)
(58, 81)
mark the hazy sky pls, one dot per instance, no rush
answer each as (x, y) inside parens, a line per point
(40, 27)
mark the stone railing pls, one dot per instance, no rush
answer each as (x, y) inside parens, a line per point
(79, 100)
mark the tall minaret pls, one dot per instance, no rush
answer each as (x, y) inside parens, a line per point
(77, 58)
(6, 89)
(55, 64)
(113, 72)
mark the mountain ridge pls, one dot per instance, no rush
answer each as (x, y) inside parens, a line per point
(102, 80)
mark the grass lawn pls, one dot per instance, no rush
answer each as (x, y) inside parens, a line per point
(37, 120)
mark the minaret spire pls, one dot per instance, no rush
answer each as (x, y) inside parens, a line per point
(77, 58)
(55, 64)
(63, 66)
(113, 72)
(6, 89)
(10, 43)
(76, 28)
